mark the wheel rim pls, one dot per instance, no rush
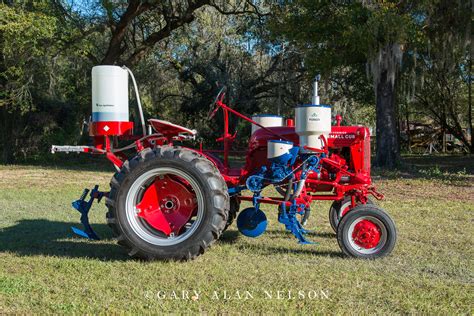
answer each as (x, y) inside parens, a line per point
(164, 206)
(367, 235)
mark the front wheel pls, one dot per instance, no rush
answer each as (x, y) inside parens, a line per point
(340, 208)
(367, 232)
(167, 203)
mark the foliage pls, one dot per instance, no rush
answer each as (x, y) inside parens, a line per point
(355, 36)
(439, 64)
(432, 38)
(265, 52)
(43, 80)
(24, 35)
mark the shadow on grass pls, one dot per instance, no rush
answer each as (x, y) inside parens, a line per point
(312, 250)
(457, 170)
(229, 237)
(40, 237)
(446, 163)
(315, 233)
(51, 238)
(71, 162)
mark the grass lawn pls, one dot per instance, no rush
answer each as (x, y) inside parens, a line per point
(43, 268)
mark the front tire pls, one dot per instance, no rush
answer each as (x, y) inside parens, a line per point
(187, 200)
(339, 209)
(367, 232)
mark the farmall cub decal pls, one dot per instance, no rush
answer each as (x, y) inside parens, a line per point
(340, 139)
(342, 135)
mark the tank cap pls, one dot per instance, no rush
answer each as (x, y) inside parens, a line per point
(279, 141)
(313, 105)
(266, 115)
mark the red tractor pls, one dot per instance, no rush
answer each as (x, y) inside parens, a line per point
(173, 202)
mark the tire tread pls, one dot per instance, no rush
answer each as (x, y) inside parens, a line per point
(220, 206)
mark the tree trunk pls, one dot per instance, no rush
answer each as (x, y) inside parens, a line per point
(7, 143)
(407, 119)
(469, 108)
(384, 69)
(443, 127)
(387, 151)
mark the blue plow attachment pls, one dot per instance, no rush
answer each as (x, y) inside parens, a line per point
(83, 207)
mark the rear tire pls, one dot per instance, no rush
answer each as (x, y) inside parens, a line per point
(203, 179)
(367, 232)
(233, 210)
(337, 208)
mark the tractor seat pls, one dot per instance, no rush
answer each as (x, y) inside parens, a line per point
(170, 130)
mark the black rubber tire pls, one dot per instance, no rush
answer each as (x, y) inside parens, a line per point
(334, 218)
(206, 175)
(233, 210)
(280, 190)
(366, 210)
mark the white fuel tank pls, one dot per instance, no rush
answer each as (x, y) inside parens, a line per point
(278, 148)
(312, 121)
(109, 94)
(266, 120)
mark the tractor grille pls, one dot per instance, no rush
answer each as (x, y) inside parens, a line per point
(367, 154)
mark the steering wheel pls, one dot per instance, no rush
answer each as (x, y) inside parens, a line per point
(213, 108)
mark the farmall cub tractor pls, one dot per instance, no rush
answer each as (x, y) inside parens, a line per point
(172, 202)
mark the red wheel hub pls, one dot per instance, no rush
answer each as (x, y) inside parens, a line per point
(366, 234)
(168, 204)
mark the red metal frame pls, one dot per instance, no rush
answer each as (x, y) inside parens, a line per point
(110, 128)
(345, 165)
(355, 139)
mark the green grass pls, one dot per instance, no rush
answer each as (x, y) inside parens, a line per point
(44, 269)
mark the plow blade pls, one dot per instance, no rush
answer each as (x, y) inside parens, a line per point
(83, 207)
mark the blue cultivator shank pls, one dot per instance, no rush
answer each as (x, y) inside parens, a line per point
(84, 207)
(252, 221)
(288, 218)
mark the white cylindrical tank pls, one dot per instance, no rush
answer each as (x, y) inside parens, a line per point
(109, 94)
(278, 148)
(312, 121)
(266, 120)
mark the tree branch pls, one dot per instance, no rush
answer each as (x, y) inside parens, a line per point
(236, 11)
(172, 24)
(135, 8)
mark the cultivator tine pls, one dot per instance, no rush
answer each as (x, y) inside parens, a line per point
(288, 218)
(82, 233)
(84, 207)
